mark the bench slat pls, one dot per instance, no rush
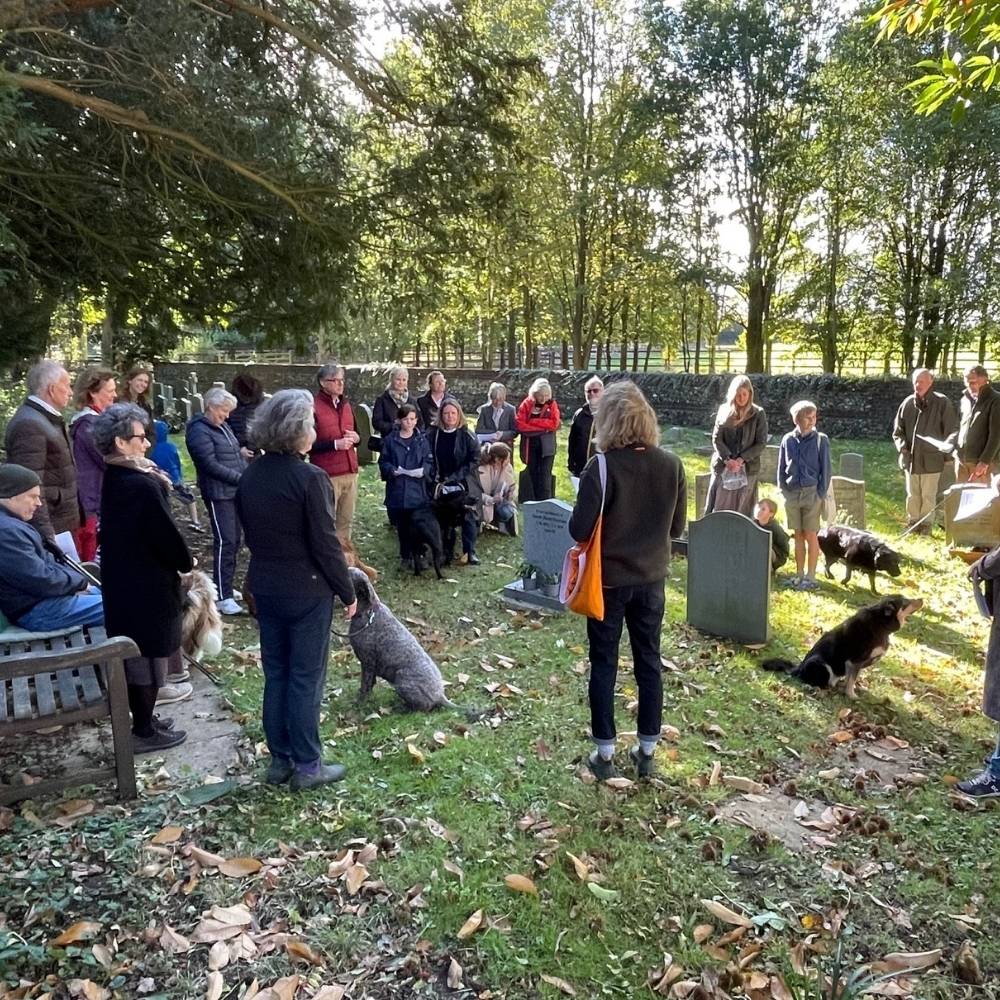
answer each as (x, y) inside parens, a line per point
(67, 690)
(44, 694)
(22, 698)
(92, 692)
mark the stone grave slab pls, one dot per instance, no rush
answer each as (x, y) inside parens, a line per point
(769, 464)
(982, 529)
(729, 577)
(198, 403)
(852, 465)
(363, 425)
(545, 530)
(188, 409)
(674, 434)
(849, 501)
(701, 482)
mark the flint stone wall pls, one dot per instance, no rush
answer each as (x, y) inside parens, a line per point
(848, 407)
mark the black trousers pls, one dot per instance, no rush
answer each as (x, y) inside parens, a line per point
(640, 607)
(225, 544)
(539, 471)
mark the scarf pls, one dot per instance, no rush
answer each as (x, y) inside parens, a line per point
(398, 397)
(141, 464)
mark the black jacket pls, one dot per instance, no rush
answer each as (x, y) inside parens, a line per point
(645, 507)
(384, 413)
(286, 508)
(29, 573)
(216, 456)
(429, 409)
(581, 440)
(978, 437)
(239, 421)
(466, 460)
(142, 555)
(38, 440)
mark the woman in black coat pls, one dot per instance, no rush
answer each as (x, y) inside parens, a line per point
(456, 488)
(297, 568)
(386, 407)
(142, 557)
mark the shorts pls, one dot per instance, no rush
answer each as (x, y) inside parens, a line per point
(802, 509)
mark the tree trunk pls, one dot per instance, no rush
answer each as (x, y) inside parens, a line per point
(755, 323)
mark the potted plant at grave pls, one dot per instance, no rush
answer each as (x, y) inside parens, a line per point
(548, 583)
(529, 578)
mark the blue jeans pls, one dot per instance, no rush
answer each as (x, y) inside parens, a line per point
(294, 646)
(641, 608)
(71, 611)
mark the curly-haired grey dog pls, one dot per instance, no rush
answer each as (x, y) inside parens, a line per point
(386, 648)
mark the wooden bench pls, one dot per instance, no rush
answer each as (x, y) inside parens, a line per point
(56, 679)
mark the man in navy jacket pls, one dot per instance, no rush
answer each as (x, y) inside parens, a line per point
(36, 591)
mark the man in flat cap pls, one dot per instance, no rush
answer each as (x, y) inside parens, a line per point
(37, 592)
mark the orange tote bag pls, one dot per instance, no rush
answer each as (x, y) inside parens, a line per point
(581, 589)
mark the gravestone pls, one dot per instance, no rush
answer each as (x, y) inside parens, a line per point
(220, 385)
(188, 409)
(191, 385)
(704, 449)
(701, 482)
(729, 577)
(198, 403)
(674, 434)
(363, 425)
(849, 501)
(768, 464)
(852, 465)
(982, 529)
(545, 529)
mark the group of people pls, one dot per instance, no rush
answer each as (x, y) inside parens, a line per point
(283, 473)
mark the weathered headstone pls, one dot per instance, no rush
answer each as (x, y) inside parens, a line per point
(674, 434)
(704, 449)
(192, 383)
(981, 529)
(188, 409)
(768, 464)
(852, 465)
(729, 576)
(545, 528)
(849, 497)
(363, 426)
(701, 481)
(219, 385)
(198, 403)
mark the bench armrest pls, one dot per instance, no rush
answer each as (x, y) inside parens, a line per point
(49, 660)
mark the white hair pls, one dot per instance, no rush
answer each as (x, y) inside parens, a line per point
(217, 396)
(44, 374)
(495, 389)
(540, 385)
(591, 382)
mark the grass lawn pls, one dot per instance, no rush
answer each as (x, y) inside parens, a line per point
(440, 813)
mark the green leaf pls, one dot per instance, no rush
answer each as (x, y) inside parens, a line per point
(605, 895)
(207, 793)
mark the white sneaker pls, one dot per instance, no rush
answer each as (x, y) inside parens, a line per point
(170, 693)
(230, 607)
(237, 594)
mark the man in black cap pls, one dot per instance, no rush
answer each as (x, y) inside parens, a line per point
(37, 592)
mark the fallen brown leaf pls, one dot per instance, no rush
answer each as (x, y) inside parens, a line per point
(300, 951)
(218, 956)
(82, 930)
(906, 961)
(450, 866)
(214, 986)
(470, 926)
(454, 975)
(581, 869)
(725, 914)
(559, 984)
(332, 992)
(87, 989)
(702, 933)
(172, 942)
(520, 883)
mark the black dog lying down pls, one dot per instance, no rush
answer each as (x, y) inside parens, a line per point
(859, 550)
(420, 527)
(844, 651)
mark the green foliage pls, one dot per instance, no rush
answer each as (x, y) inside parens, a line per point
(966, 32)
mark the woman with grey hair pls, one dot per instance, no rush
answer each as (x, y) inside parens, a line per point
(142, 557)
(219, 462)
(496, 419)
(537, 422)
(386, 407)
(297, 568)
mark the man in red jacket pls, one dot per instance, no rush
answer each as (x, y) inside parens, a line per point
(335, 448)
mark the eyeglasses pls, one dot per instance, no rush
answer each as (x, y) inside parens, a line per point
(129, 437)
(593, 392)
(333, 380)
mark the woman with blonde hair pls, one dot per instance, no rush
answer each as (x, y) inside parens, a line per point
(738, 439)
(644, 506)
(537, 421)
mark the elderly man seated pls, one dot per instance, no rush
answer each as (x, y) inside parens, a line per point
(37, 592)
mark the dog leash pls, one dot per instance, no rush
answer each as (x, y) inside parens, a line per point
(916, 524)
(367, 624)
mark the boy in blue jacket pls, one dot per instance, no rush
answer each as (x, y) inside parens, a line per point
(165, 454)
(804, 478)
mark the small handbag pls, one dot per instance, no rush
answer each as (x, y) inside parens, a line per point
(581, 589)
(735, 480)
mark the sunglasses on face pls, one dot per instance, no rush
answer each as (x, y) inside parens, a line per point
(129, 437)
(593, 392)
